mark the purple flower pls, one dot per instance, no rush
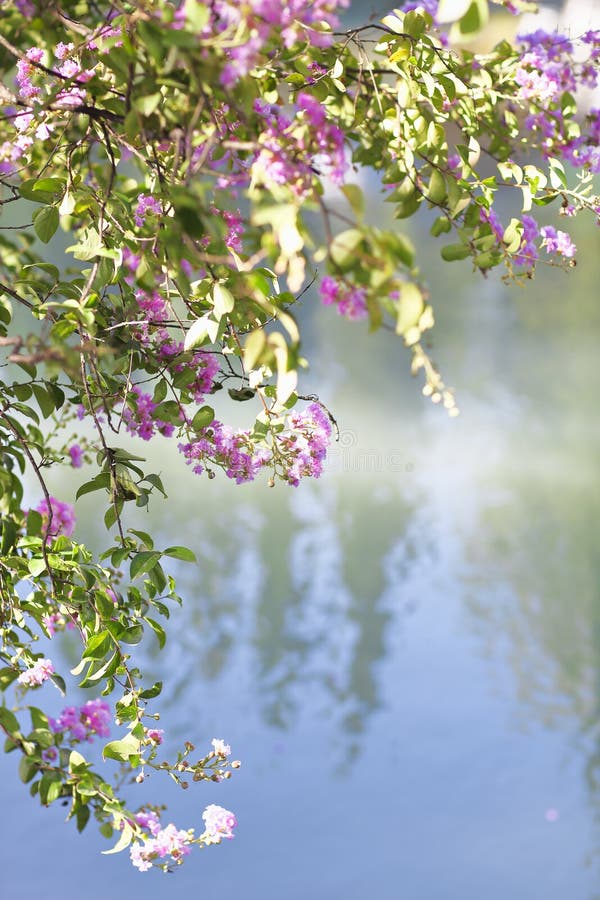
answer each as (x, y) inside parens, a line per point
(138, 415)
(350, 301)
(232, 450)
(489, 216)
(57, 517)
(557, 242)
(306, 446)
(149, 821)
(147, 204)
(76, 454)
(528, 252)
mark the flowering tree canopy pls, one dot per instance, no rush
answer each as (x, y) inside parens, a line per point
(204, 162)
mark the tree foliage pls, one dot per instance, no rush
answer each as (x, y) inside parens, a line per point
(174, 178)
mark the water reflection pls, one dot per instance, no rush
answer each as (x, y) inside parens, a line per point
(297, 596)
(543, 616)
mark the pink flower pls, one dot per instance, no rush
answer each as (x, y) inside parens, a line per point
(219, 824)
(41, 670)
(169, 841)
(83, 723)
(57, 517)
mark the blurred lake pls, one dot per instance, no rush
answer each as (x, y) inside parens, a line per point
(405, 655)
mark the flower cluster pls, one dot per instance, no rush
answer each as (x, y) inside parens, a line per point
(57, 517)
(350, 301)
(297, 21)
(558, 242)
(83, 723)
(233, 451)
(219, 824)
(307, 444)
(293, 149)
(163, 846)
(39, 672)
(153, 305)
(146, 205)
(139, 416)
(203, 367)
(532, 238)
(548, 69)
(43, 92)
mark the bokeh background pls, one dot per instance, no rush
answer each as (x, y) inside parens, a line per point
(406, 654)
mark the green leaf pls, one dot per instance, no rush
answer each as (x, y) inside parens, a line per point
(132, 635)
(442, 225)
(29, 189)
(45, 222)
(475, 18)
(355, 198)
(77, 762)
(241, 394)
(97, 646)
(7, 676)
(452, 252)
(158, 631)
(203, 418)
(39, 719)
(143, 562)
(196, 14)
(100, 482)
(156, 482)
(82, 815)
(410, 307)
(148, 104)
(50, 787)
(46, 401)
(28, 768)
(344, 247)
(436, 190)
(59, 681)
(152, 692)
(105, 671)
(198, 333)
(123, 749)
(513, 236)
(182, 553)
(223, 301)
(8, 720)
(43, 737)
(451, 10)
(253, 348)
(89, 248)
(125, 837)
